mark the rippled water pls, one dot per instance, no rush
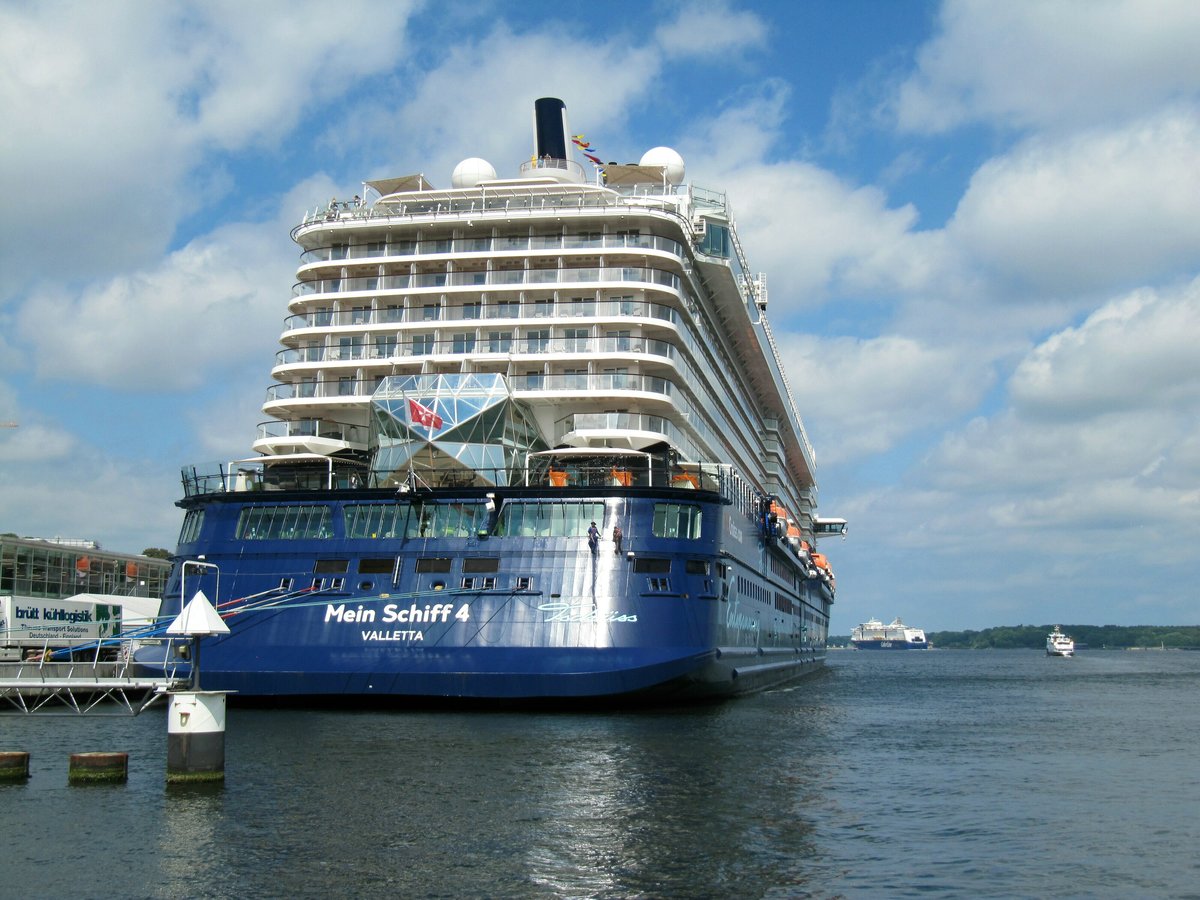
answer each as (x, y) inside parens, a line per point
(942, 773)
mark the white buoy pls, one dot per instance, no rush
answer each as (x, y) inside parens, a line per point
(196, 736)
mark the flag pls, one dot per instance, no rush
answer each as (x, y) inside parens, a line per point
(594, 159)
(423, 415)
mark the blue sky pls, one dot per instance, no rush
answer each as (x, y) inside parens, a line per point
(979, 221)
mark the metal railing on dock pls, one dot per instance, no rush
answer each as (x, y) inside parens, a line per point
(82, 687)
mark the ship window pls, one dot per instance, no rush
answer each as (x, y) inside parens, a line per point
(295, 522)
(376, 566)
(697, 567)
(478, 564)
(377, 521)
(285, 584)
(659, 584)
(489, 583)
(524, 583)
(468, 584)
(499, 342)
(646, 565)
(676, 520)
(422, 344)
(330, 566)
(193, 521)
(537, 340)
(548, 519)
(464, 342)
(433, 564)
(337, 584)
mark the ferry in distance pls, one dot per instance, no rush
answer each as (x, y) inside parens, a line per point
(1059, 644)
(874, 635)
(530, 439)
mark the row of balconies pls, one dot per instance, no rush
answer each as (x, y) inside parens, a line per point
(496, 343)
(465, 312)
(502, 278)
(574, 383)
(488, 245)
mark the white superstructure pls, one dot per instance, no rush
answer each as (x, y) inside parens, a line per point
(616, 304)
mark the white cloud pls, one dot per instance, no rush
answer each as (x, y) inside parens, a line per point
(1136, 353)
(1051, 64)
(1100, 207)
(177, 324)
(167, 327)
(109, 108)
(706, 29)
(867, 395)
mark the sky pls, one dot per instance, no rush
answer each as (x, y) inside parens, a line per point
(979, 223)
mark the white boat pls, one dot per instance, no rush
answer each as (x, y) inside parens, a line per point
(1059, 644)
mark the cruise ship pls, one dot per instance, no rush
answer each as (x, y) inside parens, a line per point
(874, 635)
(529, 439)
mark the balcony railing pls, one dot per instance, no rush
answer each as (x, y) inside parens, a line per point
(328, 388)
(483, 346)
(376, 284)
(488, 245)
(470, 312)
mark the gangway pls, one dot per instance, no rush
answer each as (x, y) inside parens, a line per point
(84, 687)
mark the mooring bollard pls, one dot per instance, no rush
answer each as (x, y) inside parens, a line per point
(14, 765)
(98, 768)
(196, 737)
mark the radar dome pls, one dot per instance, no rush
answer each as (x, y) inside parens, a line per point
(470, 172)
(668, 159)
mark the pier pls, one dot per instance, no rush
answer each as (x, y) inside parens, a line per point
(90, 687)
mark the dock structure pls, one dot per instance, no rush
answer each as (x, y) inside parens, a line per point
(92, 687)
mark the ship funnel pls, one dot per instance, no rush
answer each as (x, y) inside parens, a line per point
(550, 133)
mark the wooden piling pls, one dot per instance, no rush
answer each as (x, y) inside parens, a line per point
(98, 768)
(14, 765)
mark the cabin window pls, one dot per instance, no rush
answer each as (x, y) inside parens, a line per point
(479, 564)
(330, 566)
(433, 564)
(650, 565)
(676, 520)
(376, 566)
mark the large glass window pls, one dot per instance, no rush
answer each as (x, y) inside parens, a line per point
(676, 520)
(293, 522)
(549, 519)
(394, 520)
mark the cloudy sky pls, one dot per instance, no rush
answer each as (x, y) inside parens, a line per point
(979, 221)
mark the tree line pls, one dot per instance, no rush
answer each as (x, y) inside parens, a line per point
(1095, 637)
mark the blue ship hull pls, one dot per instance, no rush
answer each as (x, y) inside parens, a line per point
(492, 615)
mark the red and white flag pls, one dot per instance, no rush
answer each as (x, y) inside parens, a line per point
(423, 415)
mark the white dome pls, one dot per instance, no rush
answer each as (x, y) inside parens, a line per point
(470, 172)
(668, 159)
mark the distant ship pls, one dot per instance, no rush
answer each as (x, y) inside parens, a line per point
(530, 438)
(874, 635)
(1059, 644)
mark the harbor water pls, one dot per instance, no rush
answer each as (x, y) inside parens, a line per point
(930, 773)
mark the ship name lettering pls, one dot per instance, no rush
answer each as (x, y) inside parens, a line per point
(565, 612)
(339, 613)
(393, 636)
